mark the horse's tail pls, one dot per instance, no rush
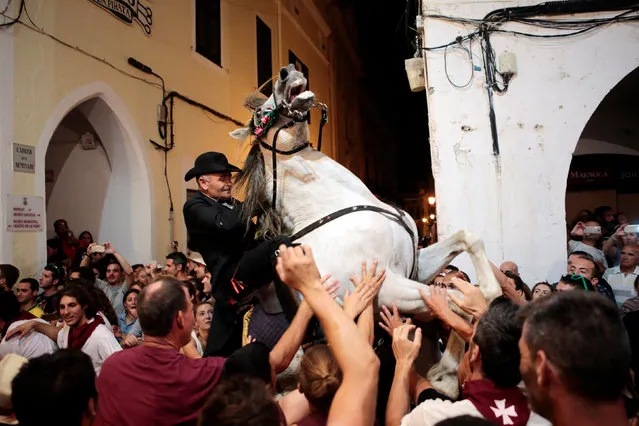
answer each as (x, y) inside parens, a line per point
(252, 182)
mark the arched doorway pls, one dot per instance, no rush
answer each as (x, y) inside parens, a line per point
(105, 190)
(77, 176)
(605, 166)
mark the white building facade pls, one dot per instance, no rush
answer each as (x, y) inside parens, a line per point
(509, 185)
(68, 91)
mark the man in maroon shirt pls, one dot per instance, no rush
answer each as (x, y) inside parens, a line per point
(154, 384)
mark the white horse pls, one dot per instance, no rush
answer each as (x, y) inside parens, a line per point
(311, 186)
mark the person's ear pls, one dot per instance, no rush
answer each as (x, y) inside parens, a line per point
(594, 281)
(475, 354)
(180, 319)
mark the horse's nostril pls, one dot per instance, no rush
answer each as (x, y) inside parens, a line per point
(283, 73)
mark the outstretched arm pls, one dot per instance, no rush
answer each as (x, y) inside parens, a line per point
(406, 352)
(41, 327)
(285, 349)
(126, 267)
(354, 402)
(438, 304)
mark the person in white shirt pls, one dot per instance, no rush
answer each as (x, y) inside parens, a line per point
(83, 329)
(31, 346)
(489, 376)
(622, 278)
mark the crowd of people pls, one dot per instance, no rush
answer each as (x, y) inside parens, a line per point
(97, 340)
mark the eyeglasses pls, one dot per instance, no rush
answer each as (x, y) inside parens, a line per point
(580, 278)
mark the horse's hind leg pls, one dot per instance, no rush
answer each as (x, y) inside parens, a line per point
(432, 259)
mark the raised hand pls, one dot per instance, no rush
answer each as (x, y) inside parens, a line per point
(296, 267)
(405, 350)
(370, 277)
(108, 248)
(578, 230)
(436, 301)
(361, 298)
(391, 321)
(331, 286)
(473, 302)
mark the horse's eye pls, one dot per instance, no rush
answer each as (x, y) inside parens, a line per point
(283, 73)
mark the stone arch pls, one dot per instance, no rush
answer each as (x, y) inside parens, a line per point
(127, 219)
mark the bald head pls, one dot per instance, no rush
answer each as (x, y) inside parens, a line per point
(159, 304)
(509, 266)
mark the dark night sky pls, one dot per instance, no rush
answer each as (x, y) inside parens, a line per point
(383, 47)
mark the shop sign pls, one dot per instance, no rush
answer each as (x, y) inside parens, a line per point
(128, 11)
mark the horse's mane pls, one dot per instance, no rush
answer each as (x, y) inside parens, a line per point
(252, 182)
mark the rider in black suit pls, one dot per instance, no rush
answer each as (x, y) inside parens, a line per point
(238, 264)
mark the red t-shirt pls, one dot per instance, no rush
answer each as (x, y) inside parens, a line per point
(152, 386)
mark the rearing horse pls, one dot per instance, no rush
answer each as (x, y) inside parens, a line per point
(300, 192)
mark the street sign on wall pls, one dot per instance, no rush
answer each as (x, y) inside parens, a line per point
(23, 158)
(25, 213)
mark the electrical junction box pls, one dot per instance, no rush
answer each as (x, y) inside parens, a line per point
(507, 63)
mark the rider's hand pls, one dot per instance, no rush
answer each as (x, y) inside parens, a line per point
(297, 269)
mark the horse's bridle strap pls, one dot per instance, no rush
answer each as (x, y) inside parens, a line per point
(282, 152)
(395, 217)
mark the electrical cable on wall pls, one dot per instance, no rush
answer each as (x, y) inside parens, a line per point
(468, 51)
(493, 21)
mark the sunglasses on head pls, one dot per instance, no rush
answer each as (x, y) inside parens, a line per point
(54, 268)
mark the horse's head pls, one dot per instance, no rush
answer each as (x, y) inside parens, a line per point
(289, 103)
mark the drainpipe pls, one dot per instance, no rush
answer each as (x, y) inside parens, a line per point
(279, 34)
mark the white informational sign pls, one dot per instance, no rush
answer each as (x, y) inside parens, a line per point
(25, 213)
(23, 158)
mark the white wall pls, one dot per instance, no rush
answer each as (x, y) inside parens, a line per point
(81, 181)
(516, 201)
(6, 134)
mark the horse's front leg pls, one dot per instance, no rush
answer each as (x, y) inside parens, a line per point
(488, 284)
(432, 259)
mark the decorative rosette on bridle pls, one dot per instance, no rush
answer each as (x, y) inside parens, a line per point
(260, 125)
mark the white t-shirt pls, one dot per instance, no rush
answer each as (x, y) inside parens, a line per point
(623, 286)
(99, 346)
(198, 344)
(433, 411)
(31, 346)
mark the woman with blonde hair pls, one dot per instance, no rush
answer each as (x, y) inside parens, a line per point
(319, 379)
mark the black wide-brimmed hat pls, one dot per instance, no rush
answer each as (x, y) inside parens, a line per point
(209, 163)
